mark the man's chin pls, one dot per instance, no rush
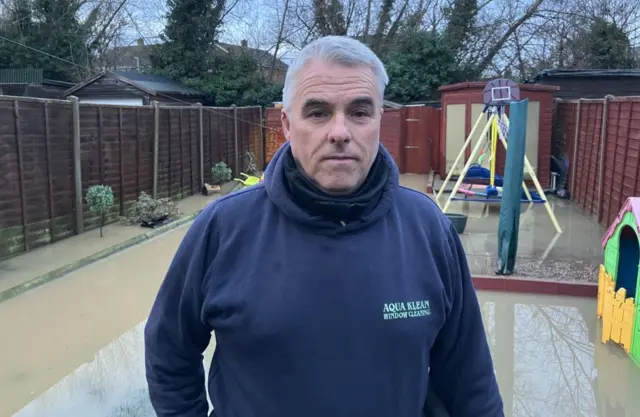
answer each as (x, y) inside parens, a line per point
(343, 187)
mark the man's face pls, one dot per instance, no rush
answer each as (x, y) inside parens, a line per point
(333, 124)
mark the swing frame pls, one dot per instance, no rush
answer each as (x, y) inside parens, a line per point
(496, 114)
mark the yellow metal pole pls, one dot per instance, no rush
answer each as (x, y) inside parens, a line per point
(494, 151)
(475, 151)
(504, 143)
(460, 155)
(552, 216)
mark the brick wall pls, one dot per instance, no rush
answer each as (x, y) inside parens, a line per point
(605, 169)
(37, 181)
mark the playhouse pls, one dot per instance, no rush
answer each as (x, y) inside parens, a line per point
(619, 281)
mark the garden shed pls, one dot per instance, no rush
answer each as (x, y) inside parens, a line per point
(590, 83)
(462, 105)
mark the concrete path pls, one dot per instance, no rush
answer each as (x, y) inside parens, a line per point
(18, 270)
(50, 331)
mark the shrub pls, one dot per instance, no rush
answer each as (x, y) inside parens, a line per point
(250, 167)
(220, 173)
(100, 199)
(148, 211)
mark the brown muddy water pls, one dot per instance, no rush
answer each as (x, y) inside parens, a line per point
(74, 347)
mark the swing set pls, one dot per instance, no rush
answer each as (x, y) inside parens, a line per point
(496, 95)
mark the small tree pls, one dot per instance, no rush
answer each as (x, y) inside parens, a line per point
(100, 199)
(220, 173)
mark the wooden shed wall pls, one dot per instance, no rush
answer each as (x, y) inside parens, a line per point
(467, 100)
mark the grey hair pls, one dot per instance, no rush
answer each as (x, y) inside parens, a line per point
(341, 50)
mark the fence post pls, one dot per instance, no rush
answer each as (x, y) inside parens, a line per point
(201, 145)
(120, 145)
(603, 138)
(576, 138)
(235, 139)
(262, 158)
(77, 161)
(47, 141)
(23, 204)
(156, 136)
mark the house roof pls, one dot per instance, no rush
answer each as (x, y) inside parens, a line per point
(132, 56)
(585, 73)
(149, 83)
(263, 57)
(21, 75)
(633, 205)
(135, 56)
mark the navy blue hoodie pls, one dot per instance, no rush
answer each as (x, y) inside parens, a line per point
(314, 318)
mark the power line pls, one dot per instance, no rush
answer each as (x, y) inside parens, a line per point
(157, 93)
(43, 52)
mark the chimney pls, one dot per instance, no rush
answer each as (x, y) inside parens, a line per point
(244, 43)
(140, 42)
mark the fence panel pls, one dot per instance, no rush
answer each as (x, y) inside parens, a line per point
(37, 180)
(274, 136)
(606, 168)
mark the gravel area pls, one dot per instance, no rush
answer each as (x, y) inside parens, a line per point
(571, 271)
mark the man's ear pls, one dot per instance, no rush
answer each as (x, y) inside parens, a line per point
(284, 119)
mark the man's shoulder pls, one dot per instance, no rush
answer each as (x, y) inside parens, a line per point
(411, 199)
(237, 204)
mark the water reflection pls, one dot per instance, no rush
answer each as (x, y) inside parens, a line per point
(112, 385)
(549, 363)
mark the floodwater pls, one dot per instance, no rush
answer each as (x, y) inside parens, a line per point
(550, 362)
(548, 358)
(52, 330)
(572, 255)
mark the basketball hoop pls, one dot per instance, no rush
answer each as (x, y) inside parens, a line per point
(500, 92)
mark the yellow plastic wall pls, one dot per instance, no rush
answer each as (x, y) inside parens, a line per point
(616, 310)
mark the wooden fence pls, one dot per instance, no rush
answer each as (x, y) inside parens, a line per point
(410, 134)
(604, 157)
(52, 151)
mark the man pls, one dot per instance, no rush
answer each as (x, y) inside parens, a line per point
(331, 290)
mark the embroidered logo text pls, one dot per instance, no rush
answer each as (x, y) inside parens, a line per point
(406, 310)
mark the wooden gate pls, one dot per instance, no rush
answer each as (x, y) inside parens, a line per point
(410, 134)
(422, 132)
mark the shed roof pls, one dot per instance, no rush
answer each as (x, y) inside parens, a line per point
(150, 83)
(158, 83)
(482, 84)
(633, 205)
(586, 73)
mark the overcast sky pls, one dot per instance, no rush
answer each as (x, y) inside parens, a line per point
(252, 20)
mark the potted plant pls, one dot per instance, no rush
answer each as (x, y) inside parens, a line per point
(220, 173)
(150, 212)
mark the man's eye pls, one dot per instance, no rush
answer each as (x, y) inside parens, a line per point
(318, 114)
(360, 113)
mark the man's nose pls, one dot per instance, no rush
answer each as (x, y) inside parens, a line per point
(339, 130)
